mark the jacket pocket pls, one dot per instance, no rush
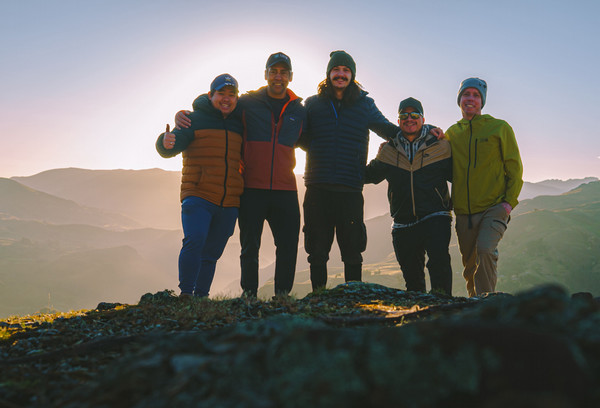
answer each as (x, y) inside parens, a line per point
(289, 132)
(486, 151)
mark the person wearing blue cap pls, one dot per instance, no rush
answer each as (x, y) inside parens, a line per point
(273, 118)
(487, 179)
(211, 182)
(417, 166)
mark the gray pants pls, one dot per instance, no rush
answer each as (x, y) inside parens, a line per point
(479, 247)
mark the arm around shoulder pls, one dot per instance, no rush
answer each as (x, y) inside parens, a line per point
(374, 172)
(379, 123)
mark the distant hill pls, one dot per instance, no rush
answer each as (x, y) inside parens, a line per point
(21, 202)
(50, 219)
(151, 197)
(77, 266)
(551, 187)
(71, 281)
(555, 239)
(580, 196)
(36, 258)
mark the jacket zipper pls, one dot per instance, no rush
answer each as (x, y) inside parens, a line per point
(440, 196)
(335, 135)
(226, 164)
(469, 169)
(276, 130)
(412, 191)
(412, 188)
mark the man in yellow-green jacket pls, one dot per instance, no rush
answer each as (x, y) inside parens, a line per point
(487, 176)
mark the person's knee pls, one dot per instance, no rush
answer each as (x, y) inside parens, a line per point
(487, 251)
(194, 242)
(318, 258)
(249, 251)
(352, 259)
(438, 252)
(287, 244)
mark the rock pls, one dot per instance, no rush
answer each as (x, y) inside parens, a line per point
(158, 297)
(107, 306)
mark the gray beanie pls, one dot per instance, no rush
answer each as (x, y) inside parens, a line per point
(476, 83)
(341, 58)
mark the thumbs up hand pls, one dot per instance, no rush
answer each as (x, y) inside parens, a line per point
(168, 139)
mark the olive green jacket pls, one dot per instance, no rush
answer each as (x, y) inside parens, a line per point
(486, 164)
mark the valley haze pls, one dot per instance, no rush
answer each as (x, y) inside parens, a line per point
(71, 238)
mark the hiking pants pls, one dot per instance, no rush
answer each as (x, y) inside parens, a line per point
(281, 210)
(478, 243)
(328, 213)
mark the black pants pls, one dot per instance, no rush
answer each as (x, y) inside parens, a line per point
(281, 210)
(328, 213)
(431, 236)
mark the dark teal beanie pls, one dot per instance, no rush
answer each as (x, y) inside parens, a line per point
(341, 58)
(476, 83)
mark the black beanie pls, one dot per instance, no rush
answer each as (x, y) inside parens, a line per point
(341, 58)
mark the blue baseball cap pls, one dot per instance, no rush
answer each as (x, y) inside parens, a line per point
(221, 81)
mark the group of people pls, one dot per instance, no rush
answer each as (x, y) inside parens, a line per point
(238, 161)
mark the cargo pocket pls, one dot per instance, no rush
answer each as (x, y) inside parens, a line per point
(501, 218)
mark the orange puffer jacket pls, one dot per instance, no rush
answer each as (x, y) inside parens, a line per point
(211, 149)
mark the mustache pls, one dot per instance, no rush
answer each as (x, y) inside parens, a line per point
(343, 78)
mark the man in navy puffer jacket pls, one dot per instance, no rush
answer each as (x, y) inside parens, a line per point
(336, 140)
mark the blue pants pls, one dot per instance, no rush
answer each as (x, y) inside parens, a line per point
(206, 228)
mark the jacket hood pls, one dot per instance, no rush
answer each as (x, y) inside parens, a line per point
(362, 94)
(477, 118)
(204, 104)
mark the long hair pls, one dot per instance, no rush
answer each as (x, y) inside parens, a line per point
(351, 93)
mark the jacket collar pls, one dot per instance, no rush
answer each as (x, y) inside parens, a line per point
(261, 93)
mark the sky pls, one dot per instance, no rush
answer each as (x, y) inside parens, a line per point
(91, 84)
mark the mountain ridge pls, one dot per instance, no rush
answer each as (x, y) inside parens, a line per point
(47, 241)
(26, 203)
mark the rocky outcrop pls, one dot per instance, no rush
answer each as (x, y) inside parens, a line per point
(356, 345)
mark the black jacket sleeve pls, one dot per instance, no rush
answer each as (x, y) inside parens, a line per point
(375, 172)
